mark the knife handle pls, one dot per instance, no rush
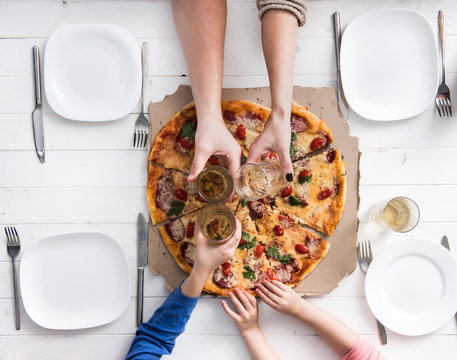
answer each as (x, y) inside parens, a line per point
(139, 297)
(36, 67)
(337, 29)
(382, 333)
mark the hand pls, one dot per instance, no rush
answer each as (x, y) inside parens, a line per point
(246, 305)
(208, 256)
(280, 297)
(213, 138)
(274, 138)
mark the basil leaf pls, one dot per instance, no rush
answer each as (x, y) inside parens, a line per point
(292, 148)
(249, 243)
(243, 202)
(285, 259)
(274, 253)
(176, 208)
(249, 273)
(304, 179)
(189, 129)
(294, 201)
(243, 159)
(293, 137)
(245, 236)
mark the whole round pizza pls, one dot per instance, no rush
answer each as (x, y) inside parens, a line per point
(282, 234)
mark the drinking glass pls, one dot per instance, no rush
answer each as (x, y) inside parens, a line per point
(215, 184)
(216, 223)
(400, 214)
(257, 180)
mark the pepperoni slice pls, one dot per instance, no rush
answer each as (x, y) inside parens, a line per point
(229, 116)
(257, 209)
(285, 221)
(278, 230)
(223, 281)
(317, 143)
(213, 160)
(298, 124)
(286, 191)
(188, 252)
(175, 229)
(258, 251)
(181, 194)
(301, 249)
(331, 156)
(164, 194)
(187, 143)
(284, 275)
(190, 229)
(324, 194)
(241, 131)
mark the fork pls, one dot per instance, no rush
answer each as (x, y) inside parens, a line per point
(365, 255)
(141, 130)
(13, 246)
(443, 98)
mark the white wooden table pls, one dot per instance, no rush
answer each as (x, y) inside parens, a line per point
(93, 181)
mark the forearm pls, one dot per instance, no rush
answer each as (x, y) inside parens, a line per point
(331, 329)
(201, 28)
(279, 40)
(257, 346)
(195, 282)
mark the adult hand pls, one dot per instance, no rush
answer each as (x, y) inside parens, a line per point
(274, 138)
(213, 138)
(280, 297)
(209, 256)
(246, 317)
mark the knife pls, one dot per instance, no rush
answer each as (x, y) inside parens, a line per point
(37, 114)
(445, 243)
(337, 33)
(142, 240)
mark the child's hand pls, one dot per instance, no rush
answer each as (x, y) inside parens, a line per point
(246, 305)
(280, 297)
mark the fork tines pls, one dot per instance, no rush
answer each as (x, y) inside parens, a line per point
(140, 138)
(443, 104)
(12, 237)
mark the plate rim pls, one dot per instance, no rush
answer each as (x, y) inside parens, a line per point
(25, 301)
(385, 251)
(116, 30)
(435, 53)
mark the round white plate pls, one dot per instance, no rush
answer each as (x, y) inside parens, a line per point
(92, 72)
(389, 64)
(75, 281)
(411, 286)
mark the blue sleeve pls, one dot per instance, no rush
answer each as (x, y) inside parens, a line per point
(157, 336)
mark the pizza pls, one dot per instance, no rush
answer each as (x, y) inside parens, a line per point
(283, 236)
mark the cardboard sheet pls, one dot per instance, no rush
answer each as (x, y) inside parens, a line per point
(342, 258)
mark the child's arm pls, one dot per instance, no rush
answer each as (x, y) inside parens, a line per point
(246, 321)
(331, 329)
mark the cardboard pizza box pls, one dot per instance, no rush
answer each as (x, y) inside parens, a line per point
(342, 257)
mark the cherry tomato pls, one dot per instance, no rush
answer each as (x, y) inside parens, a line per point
(303, 174)
(278, 230)
(226, 268)
(258, 251)
(271, 274)
(213, 160)
(272, 156)
(324, 194)
(190, 229)
(241, 131)
(301, 249)
(185, 143)
(181, 194)
(286, 191)
(316, 143)
(243, 242)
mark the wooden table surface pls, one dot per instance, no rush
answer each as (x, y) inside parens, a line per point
(93, 181)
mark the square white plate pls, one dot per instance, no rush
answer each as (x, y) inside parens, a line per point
(75, 281)
(389, 64)
(92, 72)
(411, 286)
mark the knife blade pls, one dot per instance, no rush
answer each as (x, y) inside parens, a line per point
(142, 242)
(37, 114)
(337, 38)
(445, 243)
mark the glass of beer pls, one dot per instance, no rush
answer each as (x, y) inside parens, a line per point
(216, 223)
(400, 214)
(257, 180)
(215, 184)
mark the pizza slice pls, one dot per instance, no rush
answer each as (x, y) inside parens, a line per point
(169, 194)
(309, 133)
(317, 194)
